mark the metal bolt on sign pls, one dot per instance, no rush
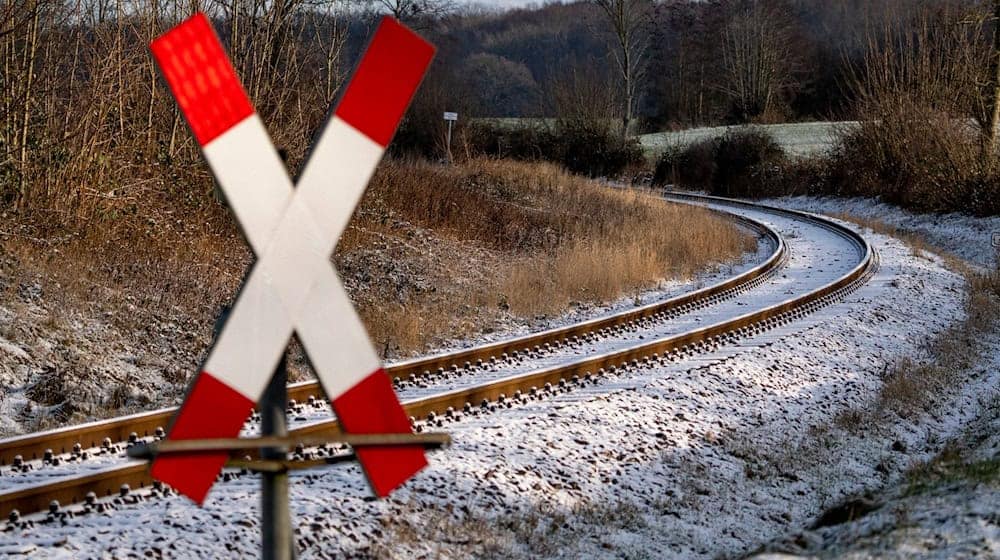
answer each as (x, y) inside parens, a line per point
(292, 288)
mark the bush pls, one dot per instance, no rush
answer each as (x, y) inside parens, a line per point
(525, 143)
(903, 153)
(585, 148)
(691, 167)
(915, 93)
(595, 151)
(744, 162)
(918, 159)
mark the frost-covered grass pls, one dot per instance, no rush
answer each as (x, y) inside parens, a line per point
(798, 139)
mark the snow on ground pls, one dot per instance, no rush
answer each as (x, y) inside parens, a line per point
(976, 240)
(798, 139)
(957, 520)
(952, 511)
(60, 364)
(947, 508)
(707, 457)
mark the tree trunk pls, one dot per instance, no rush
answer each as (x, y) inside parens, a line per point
(627, 117)
(994, 101)
(31, 48)
(154, 9)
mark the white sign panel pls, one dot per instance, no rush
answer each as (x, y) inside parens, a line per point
(450, 116)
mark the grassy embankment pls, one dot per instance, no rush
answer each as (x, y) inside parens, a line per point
(111, 308)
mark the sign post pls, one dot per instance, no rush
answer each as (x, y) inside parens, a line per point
(450, 118)
(292, 288)
(276, 517)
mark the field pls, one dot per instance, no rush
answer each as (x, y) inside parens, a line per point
(798, 139)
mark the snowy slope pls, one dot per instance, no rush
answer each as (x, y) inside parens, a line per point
(798, 139)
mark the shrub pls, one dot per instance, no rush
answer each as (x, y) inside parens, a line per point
(691, 167)
(903, 153)
(917, 146)
(594, 151)
(524, 142)
(911, 156)
(745, 162)
(582, 147)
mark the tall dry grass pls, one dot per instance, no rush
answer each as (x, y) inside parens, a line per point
(569, 239)
(670, 243)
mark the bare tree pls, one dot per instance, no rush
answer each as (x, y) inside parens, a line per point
(992, 90)
(85, 124)
(580, 94)
(758, 57)
(416, 13)
(630, 21)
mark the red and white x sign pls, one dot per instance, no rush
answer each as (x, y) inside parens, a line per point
(292, 230)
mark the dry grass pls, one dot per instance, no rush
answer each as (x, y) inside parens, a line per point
(674, 243)
(559, 238)
(155, 270)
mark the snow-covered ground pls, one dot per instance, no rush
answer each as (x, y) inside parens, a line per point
(948, 508)
(951, 511)
(799, 139)
(976, 240)
(715, 455)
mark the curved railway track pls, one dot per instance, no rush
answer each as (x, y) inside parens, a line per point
(501, 387)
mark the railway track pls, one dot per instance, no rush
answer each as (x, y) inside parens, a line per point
(502, 387)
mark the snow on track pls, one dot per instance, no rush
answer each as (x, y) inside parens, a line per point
(648, 462)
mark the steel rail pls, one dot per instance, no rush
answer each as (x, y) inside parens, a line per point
(150, 424)
(520, 386)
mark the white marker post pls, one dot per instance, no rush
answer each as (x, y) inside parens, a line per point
(451, 118)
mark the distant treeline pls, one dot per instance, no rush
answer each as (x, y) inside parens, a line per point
(704, 62)
(84, 117)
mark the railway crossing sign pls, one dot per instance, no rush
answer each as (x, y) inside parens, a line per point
(293, 287)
